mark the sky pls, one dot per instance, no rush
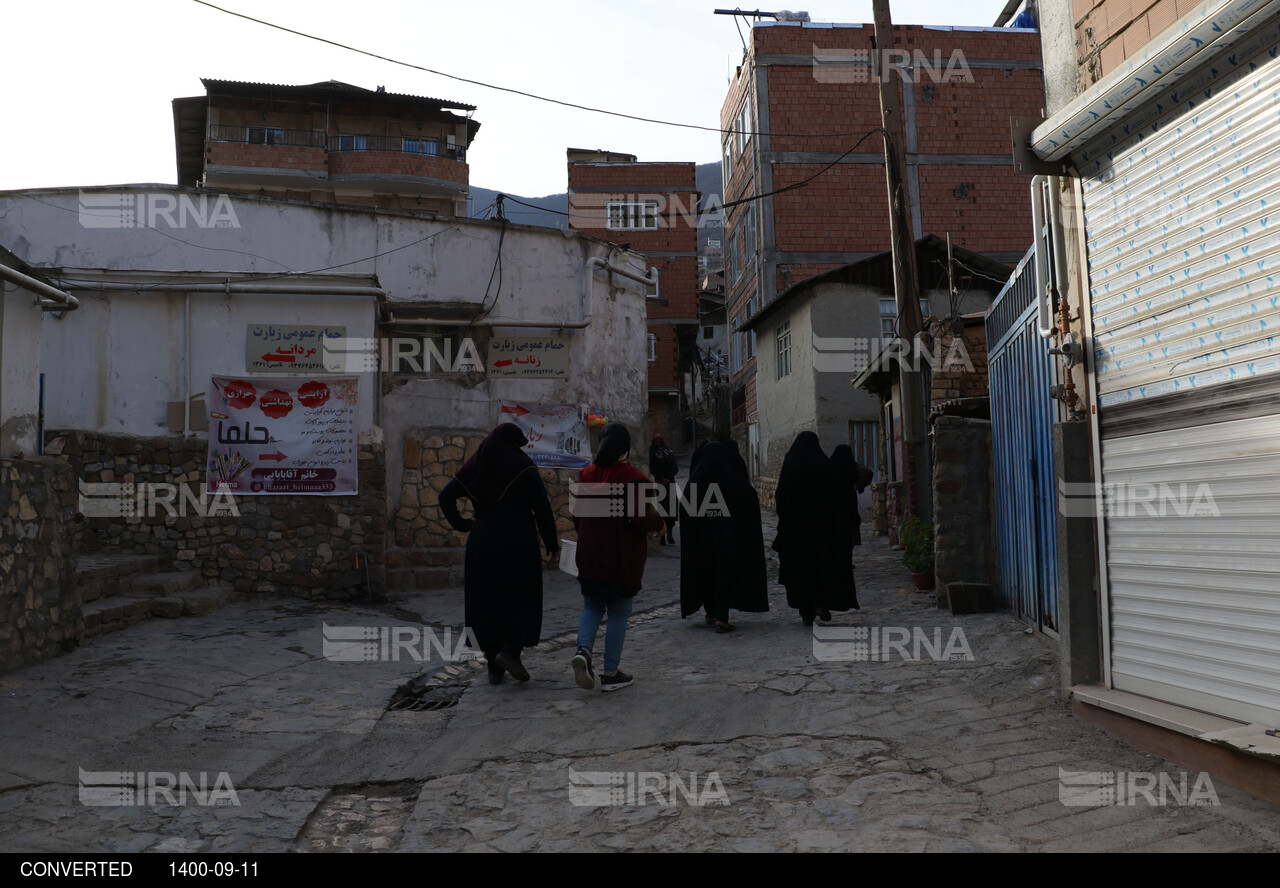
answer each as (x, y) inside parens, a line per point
(88, 85)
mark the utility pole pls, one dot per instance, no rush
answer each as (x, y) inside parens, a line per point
(902, 241)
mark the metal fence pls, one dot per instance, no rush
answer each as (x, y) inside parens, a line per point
(1022, 417)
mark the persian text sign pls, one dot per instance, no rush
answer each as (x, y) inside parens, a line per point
(277, 347)
(557, 433)
(526, 357)
(285, 435)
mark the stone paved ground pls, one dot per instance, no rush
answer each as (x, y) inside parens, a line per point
(836, 752)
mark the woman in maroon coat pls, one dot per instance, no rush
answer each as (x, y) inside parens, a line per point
(612, 548)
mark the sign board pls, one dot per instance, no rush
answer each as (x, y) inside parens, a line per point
(557, 433)
(528, 357)
(285, 435)
(290, 349)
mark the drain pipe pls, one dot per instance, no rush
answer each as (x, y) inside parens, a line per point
(51, 298)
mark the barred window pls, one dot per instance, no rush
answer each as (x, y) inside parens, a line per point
(634, 215)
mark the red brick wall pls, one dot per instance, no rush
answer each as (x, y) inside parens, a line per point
(677, 232)
(1110, 31)
(289, 157)
(399, 164)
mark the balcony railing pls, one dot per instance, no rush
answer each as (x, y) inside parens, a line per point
(400, 144)
(266, 135)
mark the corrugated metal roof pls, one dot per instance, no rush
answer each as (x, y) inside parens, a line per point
(328, 88)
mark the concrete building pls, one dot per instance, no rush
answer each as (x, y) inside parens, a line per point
(327, 142)
(1161, 165)
(653, 209)
(798, 108)
(170, 289)
(819, 334)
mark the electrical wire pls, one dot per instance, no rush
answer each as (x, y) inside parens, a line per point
(518, 92)
(803, 182)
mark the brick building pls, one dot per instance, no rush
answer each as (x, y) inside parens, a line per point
(652, 207)
(328, 142)
(803, 96)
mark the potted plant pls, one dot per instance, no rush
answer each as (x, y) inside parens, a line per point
(916, 537)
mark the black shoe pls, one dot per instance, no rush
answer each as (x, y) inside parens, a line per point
(495, 674)
(511, 663)
(616, 681)
(824, 616)
(722, 627)
(583, 674)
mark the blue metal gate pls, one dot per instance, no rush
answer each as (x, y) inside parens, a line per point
(1022, 416)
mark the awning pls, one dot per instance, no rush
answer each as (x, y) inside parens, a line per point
(1191, 41)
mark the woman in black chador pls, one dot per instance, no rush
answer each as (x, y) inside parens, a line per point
(807, 533)
(848, 479)
(503, 580)
(663, 468)
(721, 545)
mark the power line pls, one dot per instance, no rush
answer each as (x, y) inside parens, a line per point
(804, 182)
(518, 92)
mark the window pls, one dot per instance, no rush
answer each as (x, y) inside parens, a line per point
(421, 146)
(735, 347)
(653, 347)
(783, 336)
(708, 332)
(744, 126)
(749, 229)
(261, 135)
(631, 216)
(889, 317)
(353, 143)
(726, 170)
(735, 257)
(750, 336)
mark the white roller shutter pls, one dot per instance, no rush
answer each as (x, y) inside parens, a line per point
(1183, 237)
(1193, 560)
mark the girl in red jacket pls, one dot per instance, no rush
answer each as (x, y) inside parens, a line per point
(612, 548)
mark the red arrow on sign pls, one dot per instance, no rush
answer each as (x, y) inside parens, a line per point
(517, 410)
(271, 357)
(277, 456)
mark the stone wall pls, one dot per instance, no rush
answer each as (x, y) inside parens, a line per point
(962, 518)
(39, 605)
(308, 546)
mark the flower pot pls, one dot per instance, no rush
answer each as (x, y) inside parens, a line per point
(923, 581)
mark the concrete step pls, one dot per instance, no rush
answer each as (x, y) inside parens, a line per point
(104, 574)
(121, 611)
(406, 578)
(167, 584)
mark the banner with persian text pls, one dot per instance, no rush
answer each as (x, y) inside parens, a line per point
(557, 433)
(294, 435)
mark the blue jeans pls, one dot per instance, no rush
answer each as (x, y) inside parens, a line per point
(615, 631)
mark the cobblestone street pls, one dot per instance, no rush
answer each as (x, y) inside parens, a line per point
(789, 744)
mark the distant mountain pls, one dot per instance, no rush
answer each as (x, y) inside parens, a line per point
(554, 207)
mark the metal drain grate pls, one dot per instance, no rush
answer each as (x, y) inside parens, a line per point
(428, 700)
(421, 705)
